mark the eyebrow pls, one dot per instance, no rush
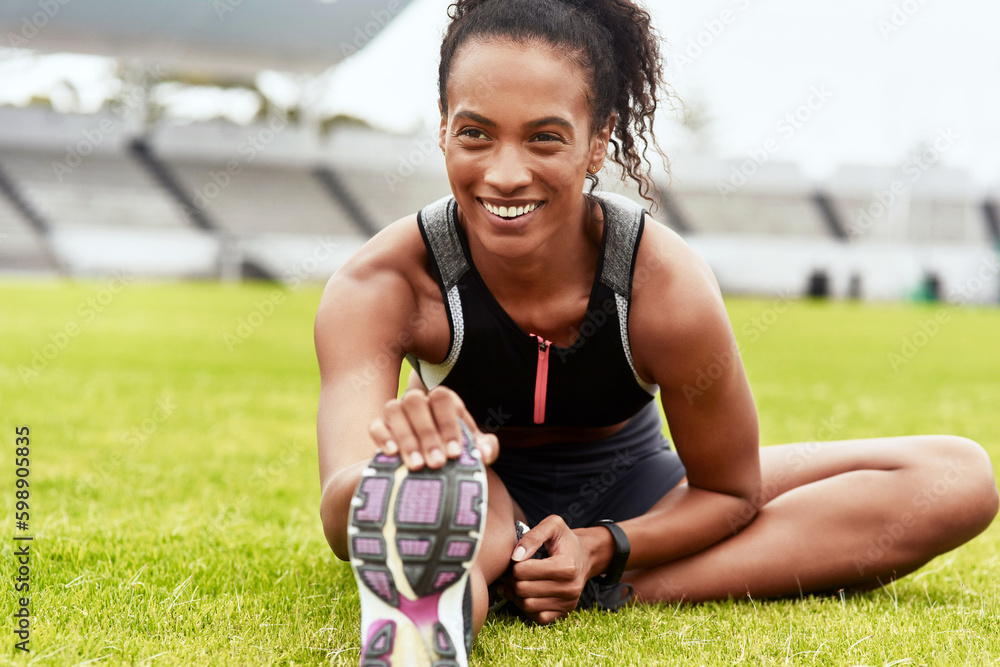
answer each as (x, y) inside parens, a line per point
(551, 120)
(483, 120)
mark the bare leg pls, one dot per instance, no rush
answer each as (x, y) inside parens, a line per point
(498, 545)
(854, 513)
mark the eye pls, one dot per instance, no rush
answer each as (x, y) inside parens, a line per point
(472, 133)
(546, 137)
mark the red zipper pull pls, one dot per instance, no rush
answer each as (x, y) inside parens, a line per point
(541, 377)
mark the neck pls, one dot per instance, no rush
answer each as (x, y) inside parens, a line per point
(568, 257)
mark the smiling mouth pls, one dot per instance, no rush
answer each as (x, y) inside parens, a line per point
(510, 212)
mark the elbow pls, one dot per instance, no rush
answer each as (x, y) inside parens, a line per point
(743, 514)
(746, 505)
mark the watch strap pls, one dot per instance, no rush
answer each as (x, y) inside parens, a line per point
(616, 567)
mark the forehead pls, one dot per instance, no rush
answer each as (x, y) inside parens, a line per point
(532, 78)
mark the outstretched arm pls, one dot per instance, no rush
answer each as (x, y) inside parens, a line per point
(360, 315)
(376, 309)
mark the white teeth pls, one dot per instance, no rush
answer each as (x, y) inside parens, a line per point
(509, 211)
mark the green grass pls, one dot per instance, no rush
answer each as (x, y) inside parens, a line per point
(175, 488)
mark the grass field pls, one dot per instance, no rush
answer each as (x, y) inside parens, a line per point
(174, 486)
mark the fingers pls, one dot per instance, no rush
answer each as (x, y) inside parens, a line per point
(448, 408)
(556, 589)
(543, 610)
(422, 427)
(488, 444)
(548, 531)
(383, 438)
(547, 588)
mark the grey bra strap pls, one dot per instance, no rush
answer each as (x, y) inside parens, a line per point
(445, 246)
(443, 239)
(621, 227)
(622, 230)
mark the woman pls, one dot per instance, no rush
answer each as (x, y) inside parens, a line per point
(489, 295)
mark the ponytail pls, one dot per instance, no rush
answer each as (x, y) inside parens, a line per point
(612, 39)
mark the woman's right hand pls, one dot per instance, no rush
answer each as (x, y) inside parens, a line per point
(422, 427)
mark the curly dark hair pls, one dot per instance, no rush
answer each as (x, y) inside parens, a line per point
(611, 39)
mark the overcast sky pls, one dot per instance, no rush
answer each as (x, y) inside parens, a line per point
(882, 76)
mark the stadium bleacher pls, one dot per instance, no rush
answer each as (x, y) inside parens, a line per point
(729, 198)
(22, 247)
(296, 207)
(102, 190)
(261, 198)
(882, 205)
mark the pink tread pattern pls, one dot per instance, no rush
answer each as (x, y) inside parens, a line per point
(379, 582)
(414, 547)
(458, 549)
(443, 579)
(367, 546)
(419, 501)
(466, 514)
(374, 490)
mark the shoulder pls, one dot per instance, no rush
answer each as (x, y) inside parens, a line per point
(382, 284)
(677, 312)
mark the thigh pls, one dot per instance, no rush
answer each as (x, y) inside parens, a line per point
(786, 467)
(790, 466)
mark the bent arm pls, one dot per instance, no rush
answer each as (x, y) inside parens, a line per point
(683, 341)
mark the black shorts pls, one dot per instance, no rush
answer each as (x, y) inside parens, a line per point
(619, 477)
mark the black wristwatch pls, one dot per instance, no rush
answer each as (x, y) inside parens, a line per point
(616, 567)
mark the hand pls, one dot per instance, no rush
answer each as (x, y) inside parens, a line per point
(422, 427)
(547, 589)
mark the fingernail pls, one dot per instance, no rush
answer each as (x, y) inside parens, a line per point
(454, 449)
(485, 445)
(436, 458)
(518, 553)
(416, 460)
(391, 448)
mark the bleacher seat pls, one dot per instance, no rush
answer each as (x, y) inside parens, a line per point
(387, 199)
(263, 198)
(776, 198)
(22, 249)
(882, 205)
(104, 189)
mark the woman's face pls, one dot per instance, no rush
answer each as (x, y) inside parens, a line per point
(518, 142)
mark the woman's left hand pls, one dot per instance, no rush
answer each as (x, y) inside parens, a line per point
(547, 589)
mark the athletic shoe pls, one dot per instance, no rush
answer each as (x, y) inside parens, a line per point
(413, 537)
(605, 598)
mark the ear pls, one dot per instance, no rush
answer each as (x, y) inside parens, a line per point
(443, 128)
(599, 143)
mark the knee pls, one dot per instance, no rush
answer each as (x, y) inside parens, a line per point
(963, 473)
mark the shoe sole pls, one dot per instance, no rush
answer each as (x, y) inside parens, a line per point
(413, 537)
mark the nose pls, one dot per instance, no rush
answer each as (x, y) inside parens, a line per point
(507, 169)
